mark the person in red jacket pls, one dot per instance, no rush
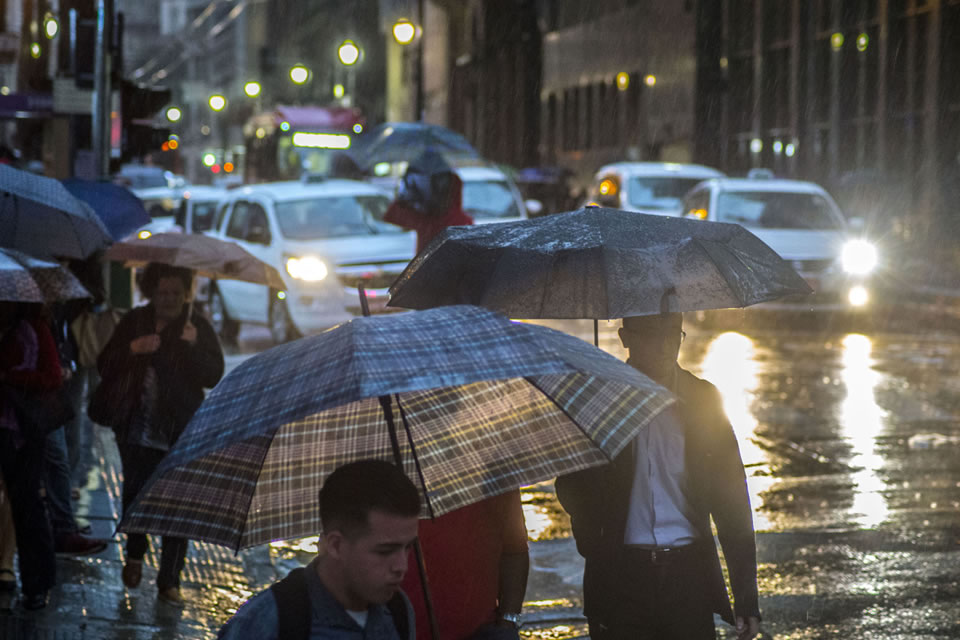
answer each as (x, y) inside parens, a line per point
(429, 199)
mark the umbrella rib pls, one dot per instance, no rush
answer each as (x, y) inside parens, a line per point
(529, 380)
(243, 527)
(416, 459)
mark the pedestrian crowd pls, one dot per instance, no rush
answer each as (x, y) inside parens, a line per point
(642, 522)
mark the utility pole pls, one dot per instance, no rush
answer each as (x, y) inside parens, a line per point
(102, 94)
(420, 98)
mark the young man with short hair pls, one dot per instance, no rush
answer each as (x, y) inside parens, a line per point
(369, 511)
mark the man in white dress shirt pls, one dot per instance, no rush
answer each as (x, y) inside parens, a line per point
(643, 522)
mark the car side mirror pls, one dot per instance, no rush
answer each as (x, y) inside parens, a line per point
(534, 207)
(856, 223)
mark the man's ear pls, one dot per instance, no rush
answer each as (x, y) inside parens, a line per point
(333, 543)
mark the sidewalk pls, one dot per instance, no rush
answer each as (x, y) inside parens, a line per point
(91, 603)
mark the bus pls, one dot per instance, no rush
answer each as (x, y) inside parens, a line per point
(288, 141)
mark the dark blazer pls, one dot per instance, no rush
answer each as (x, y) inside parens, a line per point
(597, 500)
(183, 370)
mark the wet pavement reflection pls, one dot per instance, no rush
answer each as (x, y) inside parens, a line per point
(851, 446)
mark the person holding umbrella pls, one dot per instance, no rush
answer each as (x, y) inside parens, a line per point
(429, 199)
(643, 522)
(154, 370)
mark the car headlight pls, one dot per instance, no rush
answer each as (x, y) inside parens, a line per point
(308, 268)
(858, 257)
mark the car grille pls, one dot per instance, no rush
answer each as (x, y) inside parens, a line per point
(370, 280)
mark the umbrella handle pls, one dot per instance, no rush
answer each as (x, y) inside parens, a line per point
(364, 306)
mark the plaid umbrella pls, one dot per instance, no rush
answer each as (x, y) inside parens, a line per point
(39, 216)
(27, 279)
(486, 405)
(207, 256)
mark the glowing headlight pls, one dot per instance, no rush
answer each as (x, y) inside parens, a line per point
(309, 268)
(859, 257)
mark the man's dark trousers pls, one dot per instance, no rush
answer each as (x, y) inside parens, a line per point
(662, 598)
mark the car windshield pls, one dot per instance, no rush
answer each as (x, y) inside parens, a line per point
(144, 180)
(777, 210)
(333, 217)
(659, 193)
(489, 199)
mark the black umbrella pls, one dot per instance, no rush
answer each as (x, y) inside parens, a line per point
(596, 263)
(404, 141)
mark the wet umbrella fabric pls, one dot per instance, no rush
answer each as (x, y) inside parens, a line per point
(207, 256)
(27, 279)
(491, 405)
(596, 263)
(403, 141)
(120, 210)
(40, 217)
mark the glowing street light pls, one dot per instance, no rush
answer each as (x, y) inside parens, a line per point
(174, 114)
(252, 89)
(623, 81)
(650, 80)
(404, 32)
(217, 102)
(209, 159)
(299, 74)
(348, 53)
(35, 50)
(51, 27)
(338, 91)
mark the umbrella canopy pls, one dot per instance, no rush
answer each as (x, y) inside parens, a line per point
(487, 405)
(207, 256)
(27, 279)
(121, 212)
(39, 216)
(404, 141)
(596, 263)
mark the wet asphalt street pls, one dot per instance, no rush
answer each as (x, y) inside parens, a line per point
(851, 442)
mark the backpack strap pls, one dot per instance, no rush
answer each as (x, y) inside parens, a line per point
(293, 606)
(397, 606)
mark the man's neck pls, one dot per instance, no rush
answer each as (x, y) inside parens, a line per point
(664, 376)
(331, 577)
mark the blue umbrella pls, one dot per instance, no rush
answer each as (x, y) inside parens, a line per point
(121, 211)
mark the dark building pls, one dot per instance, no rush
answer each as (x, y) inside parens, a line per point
(618, 82)
(836, 91)
(495, 50)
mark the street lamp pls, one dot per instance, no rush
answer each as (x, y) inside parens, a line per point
(348, 53)
(252, 89)
(404, 32)
(217, 102)
(299, 74)
(51, 27)
(174, 114)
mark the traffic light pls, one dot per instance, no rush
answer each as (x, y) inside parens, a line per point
(138, 107)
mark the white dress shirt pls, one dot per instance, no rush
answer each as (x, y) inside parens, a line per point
(660, 513)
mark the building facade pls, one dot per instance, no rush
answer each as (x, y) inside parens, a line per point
(830, 90)
(618, 82)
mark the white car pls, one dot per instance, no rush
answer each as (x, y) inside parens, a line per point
(325, 237)
(197, 210)
(490, 196)
(647, 187)
(802, 223)
(159, 190)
